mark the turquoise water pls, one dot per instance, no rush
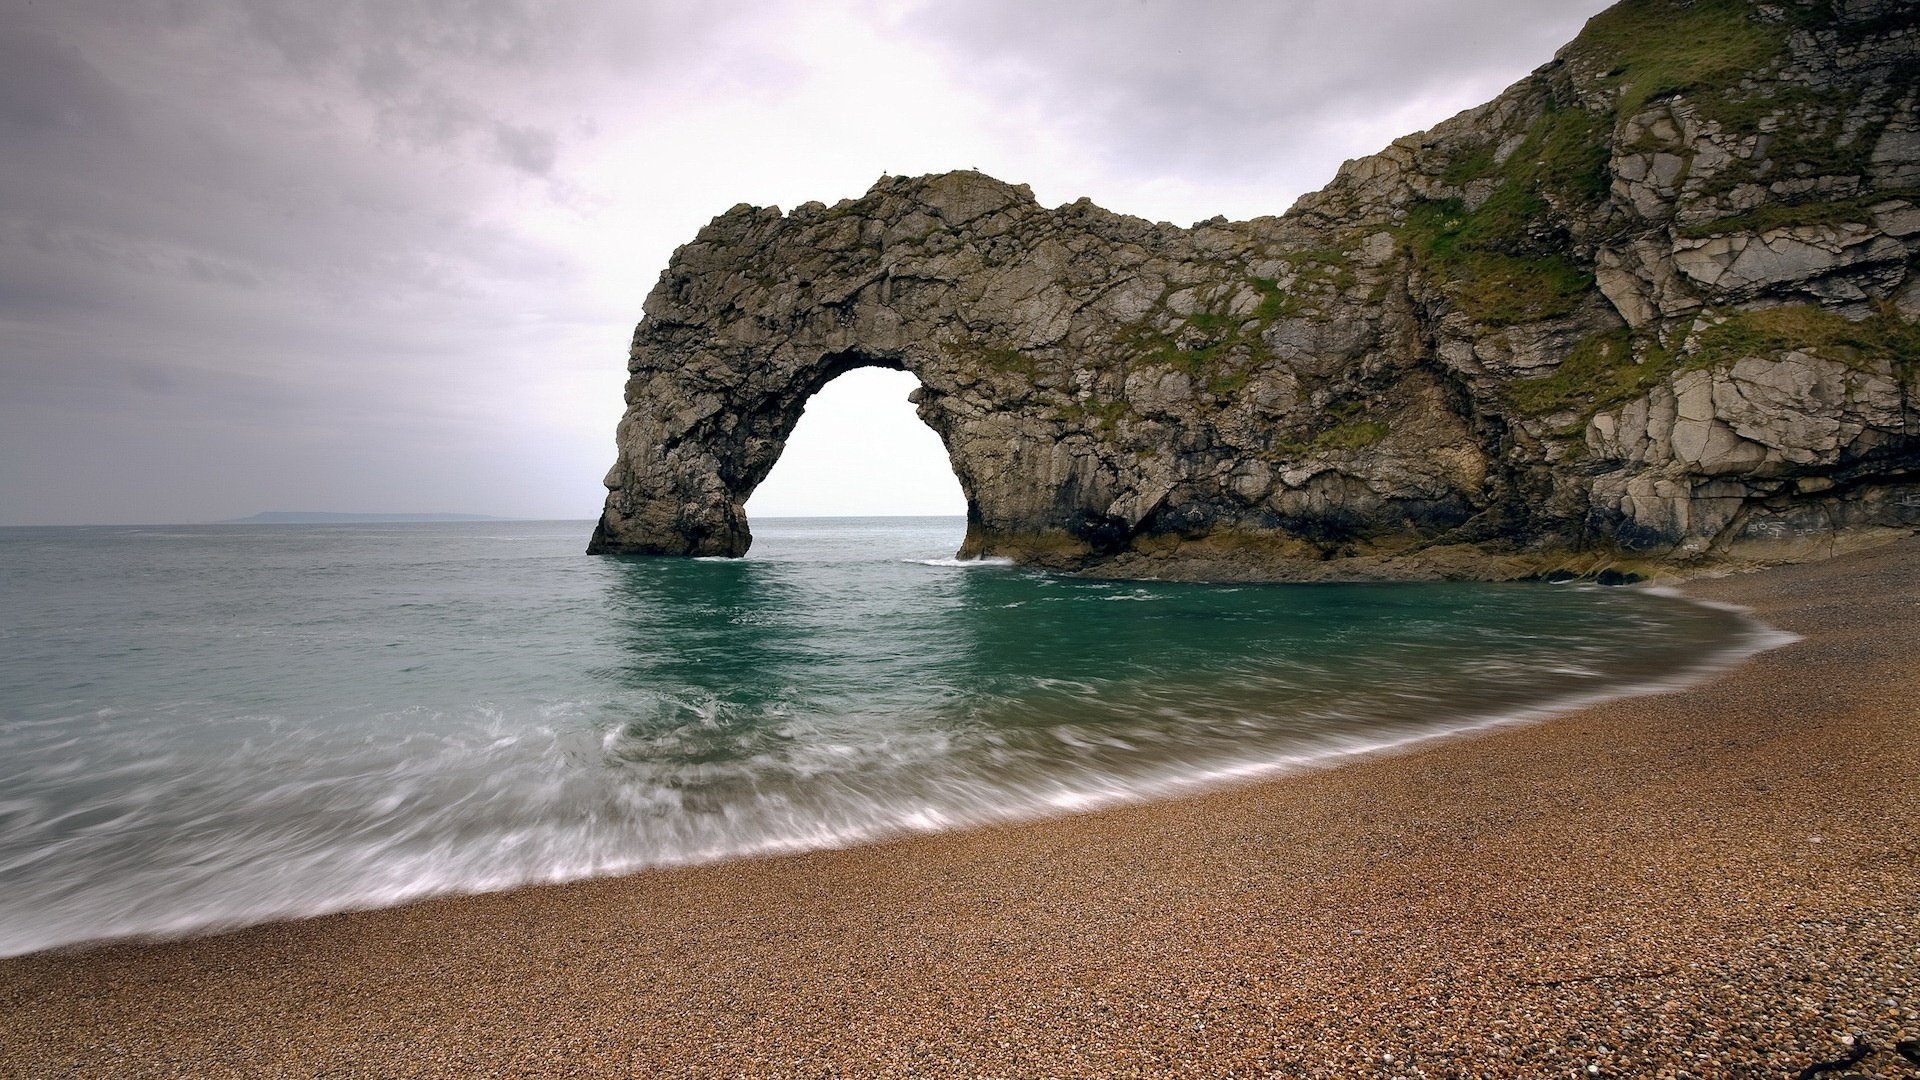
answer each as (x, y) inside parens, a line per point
(209, 726)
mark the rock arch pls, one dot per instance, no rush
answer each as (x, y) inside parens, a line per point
(711, 402)
(707, 459)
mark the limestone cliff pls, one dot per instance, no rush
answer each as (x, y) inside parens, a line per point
(1656, 302)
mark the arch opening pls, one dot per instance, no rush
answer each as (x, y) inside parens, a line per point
(858, 449)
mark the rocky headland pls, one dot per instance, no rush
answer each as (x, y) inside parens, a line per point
(1654, 308)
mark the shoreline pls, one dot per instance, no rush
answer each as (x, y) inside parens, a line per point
(1014, 806)
(1724, 870)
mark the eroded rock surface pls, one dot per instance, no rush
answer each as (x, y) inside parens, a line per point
(1657, 301)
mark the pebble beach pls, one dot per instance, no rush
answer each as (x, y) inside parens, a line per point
(1717, 881)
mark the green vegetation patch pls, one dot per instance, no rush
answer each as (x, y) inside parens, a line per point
(1214, 323)
(1008, 360)
(1315, 271)
(1884, 338)
(1782, 215)
(1500, 261)
(1707, 49)
(1157, 347)
(1097, 414)
(1229, 383)
(1273, 302)
(1353, 427)
(1658, 48)
(1600, 372)
(1352, 435)
(1488, 265)
(1813, 134)
(1505, 290)
(1474, 164)
(1234, 345)
(1566, 153)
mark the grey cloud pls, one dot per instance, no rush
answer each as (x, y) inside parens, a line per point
(384, 72)
(1238, 88)
(46, 83)
(230, 228)
(303, 34)
(529, 149)
(424, 68)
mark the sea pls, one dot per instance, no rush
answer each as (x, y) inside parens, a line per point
(204, 727)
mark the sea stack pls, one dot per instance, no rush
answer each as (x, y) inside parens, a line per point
(1656, 304)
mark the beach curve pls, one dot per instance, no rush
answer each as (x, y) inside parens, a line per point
(1702, 881)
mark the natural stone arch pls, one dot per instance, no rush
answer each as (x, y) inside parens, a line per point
(697, 465)
(721, 460)
(1100, 382)
(712, 403)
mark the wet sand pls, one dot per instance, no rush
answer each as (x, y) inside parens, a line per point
(1720, 881)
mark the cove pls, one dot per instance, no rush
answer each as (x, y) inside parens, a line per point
(353, 716)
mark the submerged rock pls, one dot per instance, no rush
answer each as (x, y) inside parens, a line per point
(1645, 305)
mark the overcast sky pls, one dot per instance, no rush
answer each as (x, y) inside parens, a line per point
(386, 255)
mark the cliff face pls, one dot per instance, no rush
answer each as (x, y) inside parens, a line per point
(1655, 302)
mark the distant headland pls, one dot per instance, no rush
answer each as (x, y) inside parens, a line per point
(318, 517)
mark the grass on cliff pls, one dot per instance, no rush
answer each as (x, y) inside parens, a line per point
(1318, 270)
(1563, 157)
(1008, 360)
(1600, 372)
(1707, 50)
(1651, 49)
(1884, 339)
(1783, 215)
(1487, 262)
(1352, 426)
(1233, 342)
(1500, 260)
(1350, 435)
(1096, 415)
(1643, 51)
(1811, 136)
